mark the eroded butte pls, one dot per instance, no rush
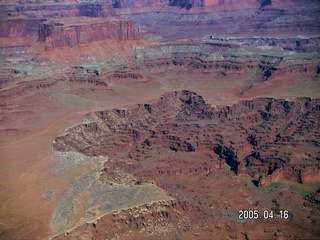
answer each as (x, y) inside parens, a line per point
(159, 119)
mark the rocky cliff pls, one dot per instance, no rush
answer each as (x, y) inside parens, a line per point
(188, 4)
(19, 28)
(229, 18)
(291, 44)
(85, 9)
(224, 60)
(231, 4)
(203, 157)
(139, 3)
(269, 136)
(292, 173)
(189, 148)
(81, 31)
(172, 214)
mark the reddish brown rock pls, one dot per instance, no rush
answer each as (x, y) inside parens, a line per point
(183, 122)
(308, 173)
(67, 10)
(179, 143)
(82, 31)
(185, 146)
(19, 27)
(144, 218)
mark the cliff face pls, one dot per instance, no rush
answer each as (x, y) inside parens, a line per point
(230, 18)
(60, 35)
(181, 122)
(290, 44)
(231, 3)
(293, 173)
(179, 142)
(189, 148)
(16, 28)
(65, 10)
(221, 58)
(238, 4)
(157, 3)
(188, 4)
(139, 3)
(143, 218)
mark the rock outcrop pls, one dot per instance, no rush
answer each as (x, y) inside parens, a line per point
(291, 44)
(205, 158)
(188, 4)
(173, 214)
(225, 60)
(292, 173)
(266, 136)
(188, 148)
(72, 34)
(231, 4)
(19, 28)
(280, 19)
(85, 9)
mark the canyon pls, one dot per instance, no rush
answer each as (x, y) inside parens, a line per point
(159, 119)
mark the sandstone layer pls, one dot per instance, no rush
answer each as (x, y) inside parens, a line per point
(142, 157)
(274, 131)
(82, 31)
(180, 136)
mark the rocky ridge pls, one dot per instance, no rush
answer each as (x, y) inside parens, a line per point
(55, 34)
(266, 136)
(56, 63)
(178, 140)
(36, 29)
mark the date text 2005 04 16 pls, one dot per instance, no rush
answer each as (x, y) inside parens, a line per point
(255, 214)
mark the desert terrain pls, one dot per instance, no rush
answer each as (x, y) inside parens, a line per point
(159, 119)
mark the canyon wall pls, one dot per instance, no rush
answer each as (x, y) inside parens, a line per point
(181, 122)
(179, 144)
(139, 3)
(233, 4)
(179, 139)
(292, 173)
(67, 35)
(188, 4)
(19, 28)
(143, 218)
(291, 44)
(221, 58)
(60, 10)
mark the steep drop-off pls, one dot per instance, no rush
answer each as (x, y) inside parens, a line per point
(188, 147)
(82, 31)
(62, 59)
(279, 135)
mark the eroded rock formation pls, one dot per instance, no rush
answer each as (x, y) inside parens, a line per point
(150, 217)
(61, 58)
(72, 34)
(178, 140)
(281, 136)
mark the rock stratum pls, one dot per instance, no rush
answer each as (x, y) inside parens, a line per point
(61, 35)
(55, 34)
(180, 136)
(145, 158)
(275, 138)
